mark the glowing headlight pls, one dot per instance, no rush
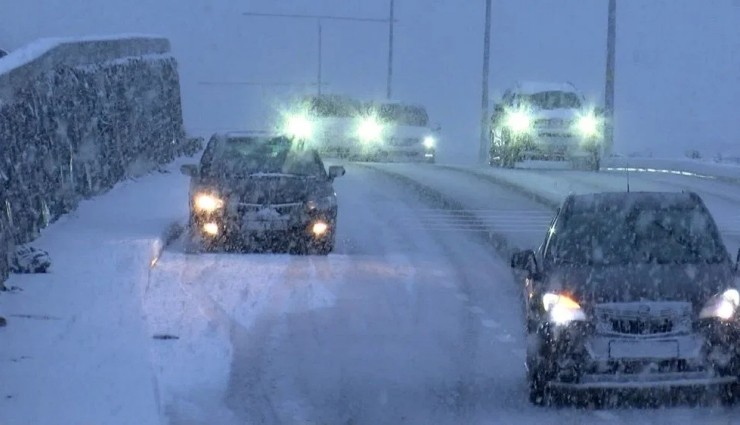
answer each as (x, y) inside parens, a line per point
(319, 228)
(723, 306)
(562, 309)
(518, 121)
(299, 127)
(588, 125)
(370, 130)
(429, 142)
(207, 203)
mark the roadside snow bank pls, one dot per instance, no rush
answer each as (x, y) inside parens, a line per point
(76, 348)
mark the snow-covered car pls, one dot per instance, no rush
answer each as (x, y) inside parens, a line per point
(546, 121)
(631, 291)
(266, 190)
(395, 131)
(327, 122)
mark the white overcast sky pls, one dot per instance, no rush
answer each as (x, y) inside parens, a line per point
(678, 77)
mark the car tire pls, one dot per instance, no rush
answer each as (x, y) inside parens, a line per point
(537, 386)
(730, 394)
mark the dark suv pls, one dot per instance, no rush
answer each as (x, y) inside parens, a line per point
(631, 291)
(265, 192)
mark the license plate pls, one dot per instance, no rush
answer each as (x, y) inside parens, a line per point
(643, 349)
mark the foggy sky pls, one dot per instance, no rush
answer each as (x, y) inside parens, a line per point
(678, 75)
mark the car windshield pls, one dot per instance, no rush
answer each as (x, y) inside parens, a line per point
(661, 236)
(402, 114)
(551, 100)
(243, 156)
(333, 106)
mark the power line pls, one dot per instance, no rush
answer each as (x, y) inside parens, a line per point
(320, 17)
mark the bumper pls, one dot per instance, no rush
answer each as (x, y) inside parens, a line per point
(232, 227)
(645, 381)
(579, 360)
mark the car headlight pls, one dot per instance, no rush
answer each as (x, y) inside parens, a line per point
(204, 202)
(429, 142)
(518, 121)
(588, 125)
(562, 309)
(370, 130)
(722, 306)
(325, 203)
(299, 127)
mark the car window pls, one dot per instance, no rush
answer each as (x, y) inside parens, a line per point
(663, 236)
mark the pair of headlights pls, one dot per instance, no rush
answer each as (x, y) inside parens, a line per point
(563, 310)
(209, 203)
(369, 130)
(521, 122)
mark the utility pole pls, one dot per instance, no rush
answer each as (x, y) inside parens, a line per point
(484, 142)
(391, 20)
(611, 41)
(321, 61)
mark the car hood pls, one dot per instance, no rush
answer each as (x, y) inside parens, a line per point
(267, 188)
(644, 282)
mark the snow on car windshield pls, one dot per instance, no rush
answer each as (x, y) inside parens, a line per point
(402, 114)
(255, 155)
(661, 236)
(551, 100)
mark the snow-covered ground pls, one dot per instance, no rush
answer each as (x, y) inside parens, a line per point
(76, 348)
(414, 319)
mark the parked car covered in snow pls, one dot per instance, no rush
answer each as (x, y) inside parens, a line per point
(262, 192)
(548, 121)
(631, 290)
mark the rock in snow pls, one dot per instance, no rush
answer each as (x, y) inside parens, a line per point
(30, 260)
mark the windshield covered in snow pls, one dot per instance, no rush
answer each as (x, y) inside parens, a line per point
(241, 156)
(400, 114)
(550, 100)
(333, 106)
(673, 235)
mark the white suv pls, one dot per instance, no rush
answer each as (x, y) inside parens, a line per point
(546, 121)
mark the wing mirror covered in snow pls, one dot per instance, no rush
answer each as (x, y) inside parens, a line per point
(336, 171)
(189, 170)
(524, 260)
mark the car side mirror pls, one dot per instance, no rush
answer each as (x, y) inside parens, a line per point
(336, 171)
(525, 261)
(190, 170)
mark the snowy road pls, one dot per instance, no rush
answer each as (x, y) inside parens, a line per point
(414, 319)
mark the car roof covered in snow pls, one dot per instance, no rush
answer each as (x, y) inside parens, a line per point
(630, 200)
(531, 87)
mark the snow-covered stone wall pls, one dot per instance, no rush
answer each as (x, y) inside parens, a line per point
(76, 117)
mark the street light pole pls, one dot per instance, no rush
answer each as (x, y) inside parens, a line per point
(611, 41)
(484, 142)
(321, 61)
(391, 20)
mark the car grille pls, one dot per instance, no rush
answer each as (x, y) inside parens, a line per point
(282, 209)
(643, 318)
(552, 123)
(641, 327)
